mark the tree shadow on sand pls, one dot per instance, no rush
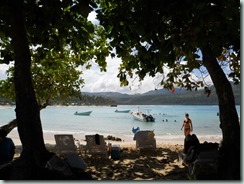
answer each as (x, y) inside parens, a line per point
(163, 164)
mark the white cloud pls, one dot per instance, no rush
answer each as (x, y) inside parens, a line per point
(3, 68)
(96, 81)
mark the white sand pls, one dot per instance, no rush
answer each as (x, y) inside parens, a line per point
(49, 139)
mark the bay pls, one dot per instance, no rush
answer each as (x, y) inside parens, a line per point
(104, 120)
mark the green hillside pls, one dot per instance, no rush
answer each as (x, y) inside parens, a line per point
(163, 97)
(158, 97)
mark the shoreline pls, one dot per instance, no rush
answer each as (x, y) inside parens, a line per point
(125, 141)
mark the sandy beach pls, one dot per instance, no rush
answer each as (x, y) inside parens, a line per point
(133, 165)
(163, 164)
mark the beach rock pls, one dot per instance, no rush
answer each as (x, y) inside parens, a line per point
(112, 138)
(117, 139)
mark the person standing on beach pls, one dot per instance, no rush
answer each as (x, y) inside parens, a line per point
(187, 125)
(7, 148)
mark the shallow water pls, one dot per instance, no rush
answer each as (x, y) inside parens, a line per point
(103, 120)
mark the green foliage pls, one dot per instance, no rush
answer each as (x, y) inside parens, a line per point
(153, 37)
(55, 76)
(7, 88)
(157, 36)
(60, 39)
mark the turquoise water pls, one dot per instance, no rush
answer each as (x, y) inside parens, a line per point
(104, 120)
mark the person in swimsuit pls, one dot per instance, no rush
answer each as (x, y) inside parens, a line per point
(187, 125)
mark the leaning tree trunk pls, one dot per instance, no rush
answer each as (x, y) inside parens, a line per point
(229, 167)
(10, 126)
(34, 152)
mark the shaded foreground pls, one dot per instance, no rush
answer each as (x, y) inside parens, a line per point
(160, 165)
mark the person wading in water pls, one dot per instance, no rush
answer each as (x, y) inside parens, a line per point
(187, 125)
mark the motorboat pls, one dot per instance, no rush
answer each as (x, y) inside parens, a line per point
(138, 115)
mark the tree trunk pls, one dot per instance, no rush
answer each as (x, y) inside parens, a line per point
(229, 167)
(10, 126)
(34, 152)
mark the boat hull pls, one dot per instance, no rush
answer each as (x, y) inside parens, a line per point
(122, 111)
(83, 113)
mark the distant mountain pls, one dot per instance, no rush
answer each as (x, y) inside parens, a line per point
(166, 97)
(107, 94)
(165, 91)
(154, 97)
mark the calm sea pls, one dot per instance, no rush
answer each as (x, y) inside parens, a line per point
(104, 120)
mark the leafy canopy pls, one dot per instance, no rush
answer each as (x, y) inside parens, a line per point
(167, 37)
(60, 39)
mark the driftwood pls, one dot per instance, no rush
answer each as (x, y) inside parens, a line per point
(10, 126)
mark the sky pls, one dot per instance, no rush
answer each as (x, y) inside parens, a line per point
(3, 68)
(97, 81)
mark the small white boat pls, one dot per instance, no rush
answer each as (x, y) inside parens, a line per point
(122, 111)
(138, 115)
(87, 113)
